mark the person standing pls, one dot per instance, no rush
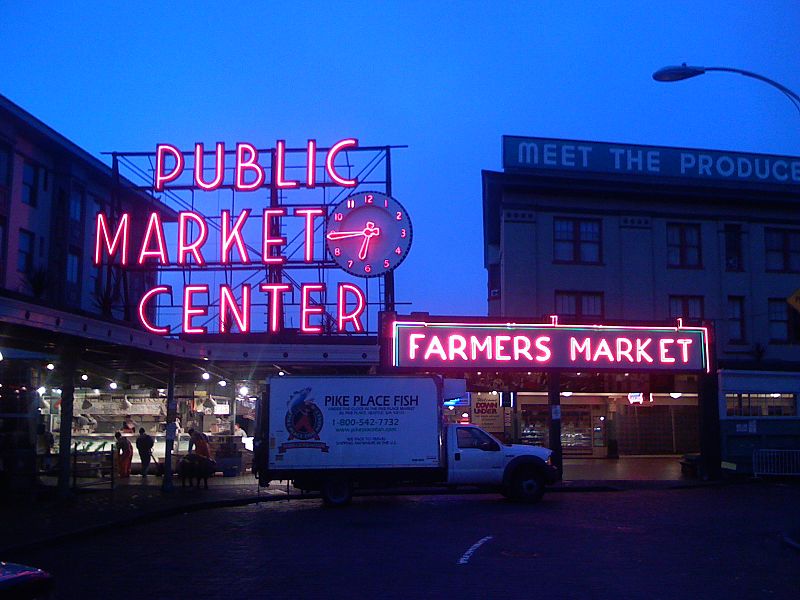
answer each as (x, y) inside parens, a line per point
(125, 455)
(200, 442)
(144, 444)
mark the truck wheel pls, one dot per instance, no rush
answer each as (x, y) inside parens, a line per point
(337, 492)
(527, 486)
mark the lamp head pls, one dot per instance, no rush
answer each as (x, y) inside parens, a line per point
(668, 74)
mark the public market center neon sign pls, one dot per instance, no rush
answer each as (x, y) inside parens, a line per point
(113, 239)
(417, 344)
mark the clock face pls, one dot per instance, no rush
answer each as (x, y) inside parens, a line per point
(368, 234)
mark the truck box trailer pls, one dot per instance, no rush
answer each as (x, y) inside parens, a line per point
(336, 433)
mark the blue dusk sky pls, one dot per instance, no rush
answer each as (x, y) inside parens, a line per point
(448, 79)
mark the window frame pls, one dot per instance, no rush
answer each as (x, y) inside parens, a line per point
(740, 300)
(683, 245)
(579, 297)
(784, 250)
(684, 299)
(32, 197)
(734, 248)
(30, 254)
(576, 241)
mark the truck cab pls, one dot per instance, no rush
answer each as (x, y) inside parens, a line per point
(477, 458)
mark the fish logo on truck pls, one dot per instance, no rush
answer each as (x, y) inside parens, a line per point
(303, 422)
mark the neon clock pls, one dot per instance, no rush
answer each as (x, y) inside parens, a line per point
(368, 234)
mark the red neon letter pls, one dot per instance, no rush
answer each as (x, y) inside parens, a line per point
(626, 352)
(541, 346)
(219, 167)
(684, 344)
(311, 164)
(343, 316)
(640, 350)
(227, 301)
(413, 346)
(310, 214)
(183, 235)
(230, 236)
(190, 311)
(154, 227)
(662, 350)
(331, 159)
(275, 291)
(249, 164)
(267, 257)
(120, 237)
(435, 347)
(456, 344)
(280, 167)
(306, 310)
(162, 289)
(575, 347)
(161, 177)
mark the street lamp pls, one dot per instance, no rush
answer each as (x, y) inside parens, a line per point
(684, 71)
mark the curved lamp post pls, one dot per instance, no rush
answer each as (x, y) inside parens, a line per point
(670, 74)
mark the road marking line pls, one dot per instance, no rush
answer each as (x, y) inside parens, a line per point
(468, 554)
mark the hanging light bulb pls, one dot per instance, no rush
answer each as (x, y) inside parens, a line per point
(85, 377)
(223, 383)
(113, 385)
(206, 376)
(50, 366)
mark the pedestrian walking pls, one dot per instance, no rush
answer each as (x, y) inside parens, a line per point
(125, 455)
(144, 444)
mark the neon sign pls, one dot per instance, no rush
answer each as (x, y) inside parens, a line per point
(418, 344)
(119, 240)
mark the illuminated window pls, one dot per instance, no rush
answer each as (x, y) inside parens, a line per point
(784, 325)
(686, 307)
(761, 405)
(783, 250)
(26, 248)
(579, 304)
(736, 319)
(577, 241)
(733, 247)
(683, 246)
(30, 183)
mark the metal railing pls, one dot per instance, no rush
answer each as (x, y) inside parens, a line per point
(92, 468)
(776, 462)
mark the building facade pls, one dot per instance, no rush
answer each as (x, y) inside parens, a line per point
(608, 233)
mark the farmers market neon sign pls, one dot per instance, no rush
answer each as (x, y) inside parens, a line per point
(418, 344)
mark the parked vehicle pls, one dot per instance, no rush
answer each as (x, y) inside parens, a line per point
(337, 434)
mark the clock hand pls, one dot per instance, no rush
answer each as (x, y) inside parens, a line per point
(370, 231)
(340, 235)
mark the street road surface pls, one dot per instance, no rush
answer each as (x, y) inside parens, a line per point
(717, 542)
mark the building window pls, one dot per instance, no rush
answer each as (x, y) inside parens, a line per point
(73, 266)
(30, 183)
(736, 319)
(577, 241)
(734, 260)
(5, 166)
(686, 307)
(784, 325)
(761, 405)
(783, 250)
(579, 304)
(26, 247)
(75, 205)
(683, 246)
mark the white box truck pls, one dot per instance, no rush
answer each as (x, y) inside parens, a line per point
(334, 434)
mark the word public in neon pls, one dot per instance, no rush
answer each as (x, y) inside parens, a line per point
(520, 346)
(249, 172)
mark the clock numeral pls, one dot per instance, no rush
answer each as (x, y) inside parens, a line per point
(367, 269)
(337, 251)
(399, 216)
(338, 216)
(349, 264)
(351, 203)
(386, 263)
(369, 198)
(403, 233)
(398, 251)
